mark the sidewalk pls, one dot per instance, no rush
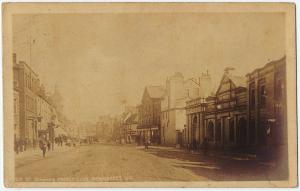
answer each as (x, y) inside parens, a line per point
(31, 154)
(210, 153)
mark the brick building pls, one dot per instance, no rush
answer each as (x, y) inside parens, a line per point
(267, 104)
(149, 114)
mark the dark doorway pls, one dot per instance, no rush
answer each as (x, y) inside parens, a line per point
(242, 132)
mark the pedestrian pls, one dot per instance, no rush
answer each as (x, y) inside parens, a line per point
(146, 142)
(43, 147)
(48, 145)
(52, 145)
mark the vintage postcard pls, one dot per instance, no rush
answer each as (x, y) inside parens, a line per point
(149, 95)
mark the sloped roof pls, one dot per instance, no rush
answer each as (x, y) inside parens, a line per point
(155, 91)
(132, 118)
(239, 81)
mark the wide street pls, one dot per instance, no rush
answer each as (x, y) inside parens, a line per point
(110, 162)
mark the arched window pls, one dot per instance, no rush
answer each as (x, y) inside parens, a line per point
(210, 131)
(194, 127)
(231, 130)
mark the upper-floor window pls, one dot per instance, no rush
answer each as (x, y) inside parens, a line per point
(252, 98)
(279, 89)
(262, 96)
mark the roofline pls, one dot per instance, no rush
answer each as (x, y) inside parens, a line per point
(26, 65)
(266, 65)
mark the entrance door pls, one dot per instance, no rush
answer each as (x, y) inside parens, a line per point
(242, 132)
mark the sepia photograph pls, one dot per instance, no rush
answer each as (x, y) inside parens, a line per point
(149, 95)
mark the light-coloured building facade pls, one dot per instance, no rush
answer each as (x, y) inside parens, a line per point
(27, 81)
(17, 129)
(173, 115)
(46, 117)
(194, 132)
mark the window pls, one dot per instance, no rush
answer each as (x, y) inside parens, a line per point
(252, 131)
(279, 88)
(210, 131)
(252, 99)
(262, 96)
(231, 130)
(194, 126)
(218, 130)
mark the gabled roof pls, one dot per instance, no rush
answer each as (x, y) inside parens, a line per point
(239, 81)
(132, 118)
(155, 91)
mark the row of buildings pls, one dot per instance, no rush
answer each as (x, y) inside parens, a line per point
(242, 111)
(34, 114)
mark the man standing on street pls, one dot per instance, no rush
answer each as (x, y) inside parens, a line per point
(43, 147)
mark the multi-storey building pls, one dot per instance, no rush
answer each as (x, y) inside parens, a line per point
(46, 117)
(130, 127)
(28, 82)
(226, 116)
(149, 114)
(16, 115)
(173, 115)
(221, 118)
(194, 131)
(267, 104)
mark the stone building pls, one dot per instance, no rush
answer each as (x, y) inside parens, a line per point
(27, 81)
(267, 105)
(46, 117)
(173, 115)
(16, 114)
(195, 108)
(218, 116)
(226, 113)
(149, 114)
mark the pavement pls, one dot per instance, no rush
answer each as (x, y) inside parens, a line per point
(111, 162)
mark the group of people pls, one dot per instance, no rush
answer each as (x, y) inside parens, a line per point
(20, 145)
(59, 140)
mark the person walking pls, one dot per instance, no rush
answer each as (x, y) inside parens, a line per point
(146, 143)
(48, 145)
(43, 147)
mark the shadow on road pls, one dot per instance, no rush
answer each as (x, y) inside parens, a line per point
(222, 168)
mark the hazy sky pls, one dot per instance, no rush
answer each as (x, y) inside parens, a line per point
(99, 59)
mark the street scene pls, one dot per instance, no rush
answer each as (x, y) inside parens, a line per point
(149, 97)
(109, 162)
